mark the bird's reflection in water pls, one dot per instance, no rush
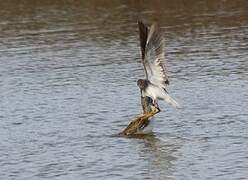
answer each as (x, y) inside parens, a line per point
(160, 155)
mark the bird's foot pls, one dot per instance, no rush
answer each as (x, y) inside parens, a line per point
(155, 107)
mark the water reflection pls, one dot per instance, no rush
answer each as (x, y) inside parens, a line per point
(160, 155)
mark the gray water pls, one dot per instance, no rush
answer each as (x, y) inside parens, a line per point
(68, 72)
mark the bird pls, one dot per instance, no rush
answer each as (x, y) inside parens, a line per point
(153, 57)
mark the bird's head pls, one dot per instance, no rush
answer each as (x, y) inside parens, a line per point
(142, 83)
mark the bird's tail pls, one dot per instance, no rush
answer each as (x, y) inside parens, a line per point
(171, 101)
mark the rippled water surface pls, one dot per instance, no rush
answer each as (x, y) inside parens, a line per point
(68, 72)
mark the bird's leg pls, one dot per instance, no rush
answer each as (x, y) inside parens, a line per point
(155, 103)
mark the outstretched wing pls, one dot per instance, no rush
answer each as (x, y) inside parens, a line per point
(154, 58)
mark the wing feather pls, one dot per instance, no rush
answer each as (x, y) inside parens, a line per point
(154, 58)
(143, 32)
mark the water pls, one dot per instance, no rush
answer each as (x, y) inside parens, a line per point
(68, 74)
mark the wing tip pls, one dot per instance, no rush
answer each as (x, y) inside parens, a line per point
(143, 33)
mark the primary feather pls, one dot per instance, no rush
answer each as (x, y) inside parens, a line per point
(154, 58)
